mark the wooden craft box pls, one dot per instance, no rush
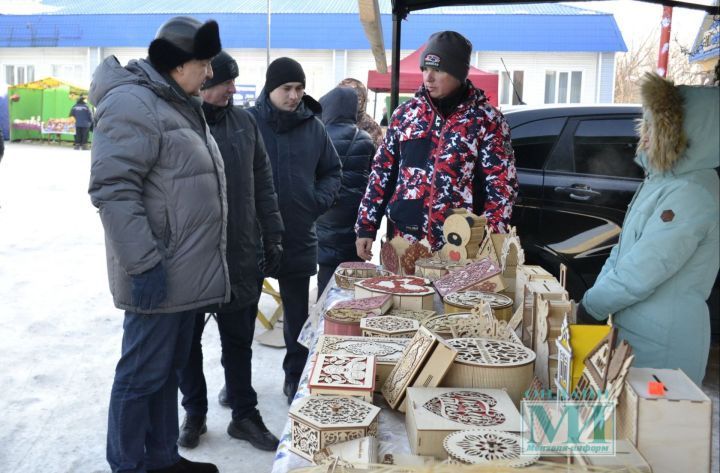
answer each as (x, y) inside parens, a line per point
(434, 413)
(486, 363)
(470, 277)
(525, 274)
(387, 351)
(388, 326)
(424, 362)
(344, 317)
(673, 432)
(626, 458)
(440, 324)
(358, 452)
(342, 375)
(319, 421)
(348, 273)
(419, 315)
(408, 292)
(501, 305)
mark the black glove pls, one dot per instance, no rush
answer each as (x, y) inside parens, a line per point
(272, 256)
(149, 289)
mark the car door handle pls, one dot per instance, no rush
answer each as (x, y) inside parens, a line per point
(577, 192)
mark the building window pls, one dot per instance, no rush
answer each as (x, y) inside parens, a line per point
(19, 74)
(72, 73)
(508, 95)
(563, 86)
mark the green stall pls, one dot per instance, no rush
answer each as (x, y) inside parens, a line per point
(39, 110)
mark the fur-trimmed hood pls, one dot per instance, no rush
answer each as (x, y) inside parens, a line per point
(678, 132)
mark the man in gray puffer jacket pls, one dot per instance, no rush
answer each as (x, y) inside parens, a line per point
(158, 181)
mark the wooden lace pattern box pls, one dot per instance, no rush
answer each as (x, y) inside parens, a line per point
(434, 413)
(500, 304)
(408, 292)
(388, 326)
(387, 351)
(319, 421)
(357, 452)
(417, 314)
(350, 272)
(487, 447)
(344, 317)
(441, 324)
(672, 431)
(424, 362)
(344, 376)
(466, 278)
(487, 363)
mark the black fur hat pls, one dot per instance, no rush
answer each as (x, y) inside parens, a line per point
(181, 39)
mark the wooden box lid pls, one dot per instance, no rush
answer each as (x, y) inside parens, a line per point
(343, 372)
(678, 387)
(463, 408)
(466, 277)
(352, 310)
(440, 324)
(397, 285)
(481, 446)
(491, 353)
(470, 299)
(386, 350)
(334, 412)
(389, 324)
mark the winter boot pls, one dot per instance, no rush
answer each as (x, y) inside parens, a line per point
(289, 389)
(223, 398)
(191, 430)
(186, 466)
(252, 429)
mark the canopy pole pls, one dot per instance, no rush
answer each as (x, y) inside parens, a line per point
(375, 105)
(395, 76)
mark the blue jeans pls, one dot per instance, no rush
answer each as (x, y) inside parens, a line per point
(143, 418)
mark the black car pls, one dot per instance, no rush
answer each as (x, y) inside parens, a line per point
(577, 176)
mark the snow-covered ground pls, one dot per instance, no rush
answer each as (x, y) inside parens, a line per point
(60, 333)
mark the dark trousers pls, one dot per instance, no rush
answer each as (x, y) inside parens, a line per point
(236, 336)
(294, 293)
(81, 135)
(325, 272)
(143, 416)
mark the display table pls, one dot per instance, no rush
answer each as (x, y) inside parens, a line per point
(392, 437)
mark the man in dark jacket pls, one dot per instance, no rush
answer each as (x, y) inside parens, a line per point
(336, 236)
(251, 198)
(306, 173)
(83, 120)
(157, 180)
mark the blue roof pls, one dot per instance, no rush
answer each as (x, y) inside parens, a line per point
(311, 25)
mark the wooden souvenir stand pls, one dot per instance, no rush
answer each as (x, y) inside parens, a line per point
(673, 430)
(434, 413)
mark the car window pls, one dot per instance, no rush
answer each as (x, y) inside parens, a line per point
(534, 140)
(606, 148)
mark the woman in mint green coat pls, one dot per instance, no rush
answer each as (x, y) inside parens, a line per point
(657, 279)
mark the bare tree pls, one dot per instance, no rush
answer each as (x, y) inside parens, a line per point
(641, 58)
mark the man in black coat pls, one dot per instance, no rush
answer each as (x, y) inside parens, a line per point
(356, 148)
(307, 174)
(83, 120)
(251, 200)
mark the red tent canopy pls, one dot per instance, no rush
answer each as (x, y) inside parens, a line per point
(411, 78)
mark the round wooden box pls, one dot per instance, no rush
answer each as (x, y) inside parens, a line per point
(500, 304)
(486, 447)
(348, 325)
(440, 324)
(347, 274)
(486, 363)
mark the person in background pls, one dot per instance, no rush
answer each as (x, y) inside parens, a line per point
(336, 236)
(384, 119)
(251, 199)
(157, 180)
(83, 122)
(307, 174)
(658, 277)
(364, 121)
(446, 148)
